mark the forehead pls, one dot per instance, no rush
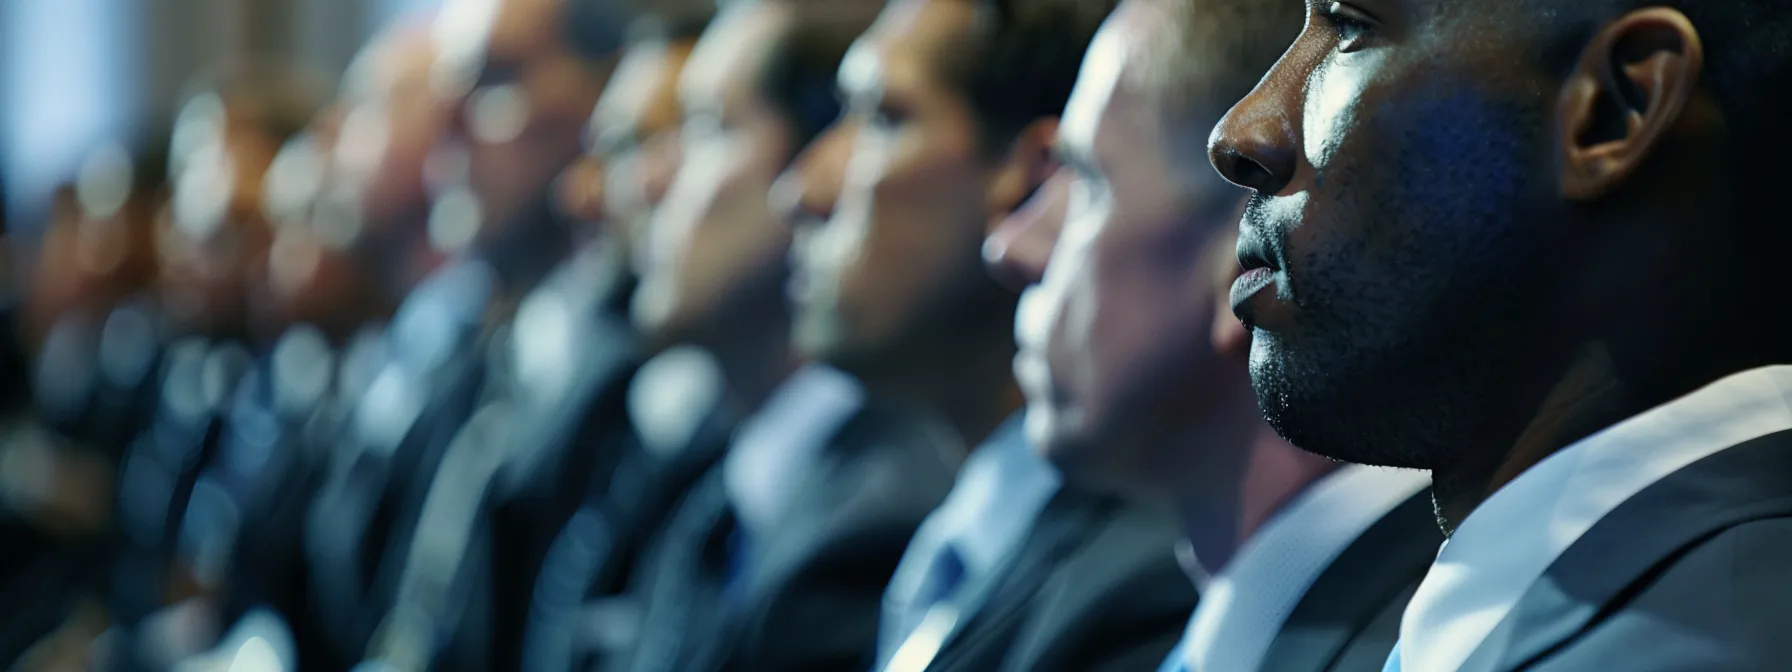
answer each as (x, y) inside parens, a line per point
(521, 28)
(1109, 94)
(732, 50)
(645, 81)
(909, 44)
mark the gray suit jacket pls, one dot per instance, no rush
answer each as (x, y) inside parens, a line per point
(809, 597)
(1690, 574)
(1095, 587)
(1350, 617)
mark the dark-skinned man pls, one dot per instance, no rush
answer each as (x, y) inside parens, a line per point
(950, 135)
(1302, 565)
(1531, 248)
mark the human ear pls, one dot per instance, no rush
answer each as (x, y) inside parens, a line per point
(1628, 90)
(1027, 165)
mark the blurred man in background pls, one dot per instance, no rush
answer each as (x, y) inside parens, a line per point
(1012, 571)
(1534, 248)
(1302, 565)
(214, 243)
(812, 484)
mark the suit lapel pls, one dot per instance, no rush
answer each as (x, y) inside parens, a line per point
(1389, 557)
(993, 604)
(1751, 481)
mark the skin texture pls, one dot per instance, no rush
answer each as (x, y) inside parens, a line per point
(714, 260)
(1458, 236)
(895, 275)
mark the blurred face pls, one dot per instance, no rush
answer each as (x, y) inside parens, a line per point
(715, 250)
(99, 246)
(633, 142)
(1398, 234)
(216, 239)
(311, 278)
(899, 262)
(520, 124)
(393, 118)
(1113, 359)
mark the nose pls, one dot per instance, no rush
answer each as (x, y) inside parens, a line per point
(660, 166)
(580, 190)
(1019, 249)
(807, 193)
(1255, 145)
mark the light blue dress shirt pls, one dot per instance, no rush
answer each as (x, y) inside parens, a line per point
(1001, 490)
(1244, 605)
(774, 451)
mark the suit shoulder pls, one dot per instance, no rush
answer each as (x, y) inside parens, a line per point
(1720, 604)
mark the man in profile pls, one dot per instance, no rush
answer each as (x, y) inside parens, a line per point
(1533, 248)
(814, 492)
(952, 109)
(1302, 565)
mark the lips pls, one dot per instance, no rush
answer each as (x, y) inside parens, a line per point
(1259, 273)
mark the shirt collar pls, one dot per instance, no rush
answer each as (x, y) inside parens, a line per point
(1000, 491)
(775, 449)
(1513, 537)
(1245, 604)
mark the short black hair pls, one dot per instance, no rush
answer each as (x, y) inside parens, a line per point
(1023, 60)
(800, 77)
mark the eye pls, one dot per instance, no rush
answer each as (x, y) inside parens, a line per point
(1352, 26)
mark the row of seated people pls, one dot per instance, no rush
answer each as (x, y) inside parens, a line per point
(735, 387)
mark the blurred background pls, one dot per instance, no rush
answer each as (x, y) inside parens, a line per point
(77, 74)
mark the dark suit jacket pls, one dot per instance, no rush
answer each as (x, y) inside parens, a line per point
(1689, 574)
(809, 598)
(1095, 587)
(1350, 617)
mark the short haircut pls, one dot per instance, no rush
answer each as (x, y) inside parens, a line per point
(1022, 61)
(800, 75)
(1213, 52)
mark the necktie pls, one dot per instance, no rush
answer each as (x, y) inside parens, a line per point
(943, 579)
(1176, 661)
(929, 619)
(1393, 664)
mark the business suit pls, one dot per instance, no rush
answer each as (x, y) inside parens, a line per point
(1096, 586)
(807, 597)
(1349, 618)
(1690, 573)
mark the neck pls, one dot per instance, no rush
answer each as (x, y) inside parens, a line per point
(755, 362)
(1234, 501)
(970, 385)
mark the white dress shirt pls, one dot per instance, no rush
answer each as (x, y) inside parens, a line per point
(1513, 537)
(774, 450)
(1244, 605)
(1000, 492)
